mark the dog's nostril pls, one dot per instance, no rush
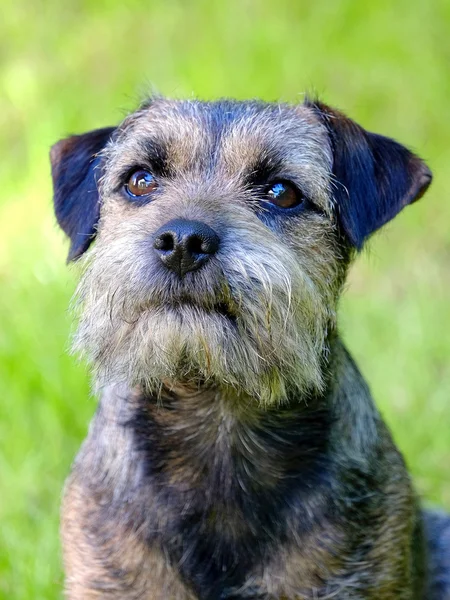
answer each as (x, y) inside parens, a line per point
(164, 242)
(195, 245)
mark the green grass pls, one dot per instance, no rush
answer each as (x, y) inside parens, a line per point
(69, 67)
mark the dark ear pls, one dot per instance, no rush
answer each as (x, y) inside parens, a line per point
(374, 176)
(75, 174)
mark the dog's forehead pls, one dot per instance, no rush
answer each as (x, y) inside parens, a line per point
(233, 133)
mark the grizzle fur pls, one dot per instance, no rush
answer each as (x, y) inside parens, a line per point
(236, 451)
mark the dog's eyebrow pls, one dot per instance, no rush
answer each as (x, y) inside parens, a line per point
(155, 154)
(264, 168)
(151, 154)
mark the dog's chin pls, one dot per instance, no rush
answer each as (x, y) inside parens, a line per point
(190, 344)
(187, 344)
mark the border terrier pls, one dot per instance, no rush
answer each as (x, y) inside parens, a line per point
(236, 452)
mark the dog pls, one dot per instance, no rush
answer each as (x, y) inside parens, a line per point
(236, 452)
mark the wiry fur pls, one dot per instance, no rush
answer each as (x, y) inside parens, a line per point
(141, 325)
(236, 452)
(144, 329)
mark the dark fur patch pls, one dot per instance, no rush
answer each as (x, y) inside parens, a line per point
(156, 153)
(75, 174)
(264, 170)
(223, 503)
(375, 177)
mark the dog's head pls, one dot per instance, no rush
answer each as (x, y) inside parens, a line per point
(223, 233)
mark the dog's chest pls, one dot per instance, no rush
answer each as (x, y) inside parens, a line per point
(232, 491)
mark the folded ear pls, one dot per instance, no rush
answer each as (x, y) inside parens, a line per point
(75, 174)
(374, 176)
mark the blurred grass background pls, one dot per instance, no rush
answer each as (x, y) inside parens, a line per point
(69, 67)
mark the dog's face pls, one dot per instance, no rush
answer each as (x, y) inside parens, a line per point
(224, 231)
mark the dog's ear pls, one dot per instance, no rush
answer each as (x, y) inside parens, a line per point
(374, 176)
(75, 174)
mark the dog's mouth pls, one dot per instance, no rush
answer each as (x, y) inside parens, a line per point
(223, 309)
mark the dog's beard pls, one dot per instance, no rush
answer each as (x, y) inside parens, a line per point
(261, 331)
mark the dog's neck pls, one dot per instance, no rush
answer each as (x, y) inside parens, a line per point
(197, 433)
(215, 441)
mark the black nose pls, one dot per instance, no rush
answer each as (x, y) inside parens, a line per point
(184, 245)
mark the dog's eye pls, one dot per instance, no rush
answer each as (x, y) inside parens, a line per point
(284, 195)
(141, 183)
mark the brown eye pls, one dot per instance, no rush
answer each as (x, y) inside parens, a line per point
(141, 183)
(284, 195)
